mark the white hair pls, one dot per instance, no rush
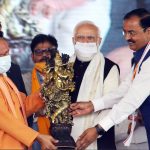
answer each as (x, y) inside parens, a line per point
(86, 22)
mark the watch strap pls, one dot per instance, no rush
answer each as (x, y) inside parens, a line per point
(99, 129)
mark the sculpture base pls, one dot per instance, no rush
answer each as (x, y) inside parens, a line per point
(62, 133)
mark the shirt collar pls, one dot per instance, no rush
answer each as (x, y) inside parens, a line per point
(137, 55)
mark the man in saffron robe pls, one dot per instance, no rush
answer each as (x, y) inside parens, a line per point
(15, 107)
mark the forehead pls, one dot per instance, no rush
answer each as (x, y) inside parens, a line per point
(4, 47)
(3, 43)
(86, 29)
(132, 23)
(44, 45)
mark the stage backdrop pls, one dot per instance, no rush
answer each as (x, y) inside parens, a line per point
(23, 19)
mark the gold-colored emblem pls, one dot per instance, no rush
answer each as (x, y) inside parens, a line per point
(55, 91)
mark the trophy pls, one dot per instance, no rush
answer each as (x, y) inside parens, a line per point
(55, 92)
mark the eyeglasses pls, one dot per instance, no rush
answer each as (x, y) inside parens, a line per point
(132, 32)
(91, 38)
(40, 52)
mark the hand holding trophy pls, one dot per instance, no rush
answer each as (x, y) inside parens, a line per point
(55, 92)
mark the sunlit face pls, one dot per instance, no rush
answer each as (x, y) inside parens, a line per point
(135, 35)
(4, 48)
(87, 34)
(42, 51)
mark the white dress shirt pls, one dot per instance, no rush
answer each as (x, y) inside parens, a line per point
(126, 99)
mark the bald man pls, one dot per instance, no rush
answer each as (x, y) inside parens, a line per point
(94, 76)
(15, 106)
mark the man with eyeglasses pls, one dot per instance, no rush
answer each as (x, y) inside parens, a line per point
(44, 48)
(134, 91)
(94, 76)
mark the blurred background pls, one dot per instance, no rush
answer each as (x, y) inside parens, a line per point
(22, 19)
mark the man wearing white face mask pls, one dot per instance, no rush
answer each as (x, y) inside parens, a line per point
(85, 51)
(5, 63)
(15, 106)
(94, 76)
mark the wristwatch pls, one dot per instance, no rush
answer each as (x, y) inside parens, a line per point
(99, 129)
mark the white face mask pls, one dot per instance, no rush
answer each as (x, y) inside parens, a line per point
(5, 63)
(85, 51)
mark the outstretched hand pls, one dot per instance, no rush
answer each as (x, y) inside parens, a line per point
(87, 137)
(81, 108)
(47, 142)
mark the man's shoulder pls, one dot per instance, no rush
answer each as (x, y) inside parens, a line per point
(108, 65)
(110, 62)
(13, 65)
(14, 70)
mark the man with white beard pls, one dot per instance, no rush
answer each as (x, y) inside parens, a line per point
(94, 76)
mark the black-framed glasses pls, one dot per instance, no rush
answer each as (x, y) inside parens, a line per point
(132, 32)
(40, 52)
(80, 37)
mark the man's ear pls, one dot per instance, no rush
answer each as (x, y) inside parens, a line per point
(148, 30)
(73, 40)
(99, 39)
(32, 56)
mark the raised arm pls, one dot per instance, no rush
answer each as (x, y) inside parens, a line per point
(107, 101)
(32, 103)
(137, 93)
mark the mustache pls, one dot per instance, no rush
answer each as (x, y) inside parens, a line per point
(131, 41)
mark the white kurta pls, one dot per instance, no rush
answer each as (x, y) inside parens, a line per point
(92, 86)
(127, 98)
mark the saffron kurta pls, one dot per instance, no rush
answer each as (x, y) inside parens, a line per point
(14, 133)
